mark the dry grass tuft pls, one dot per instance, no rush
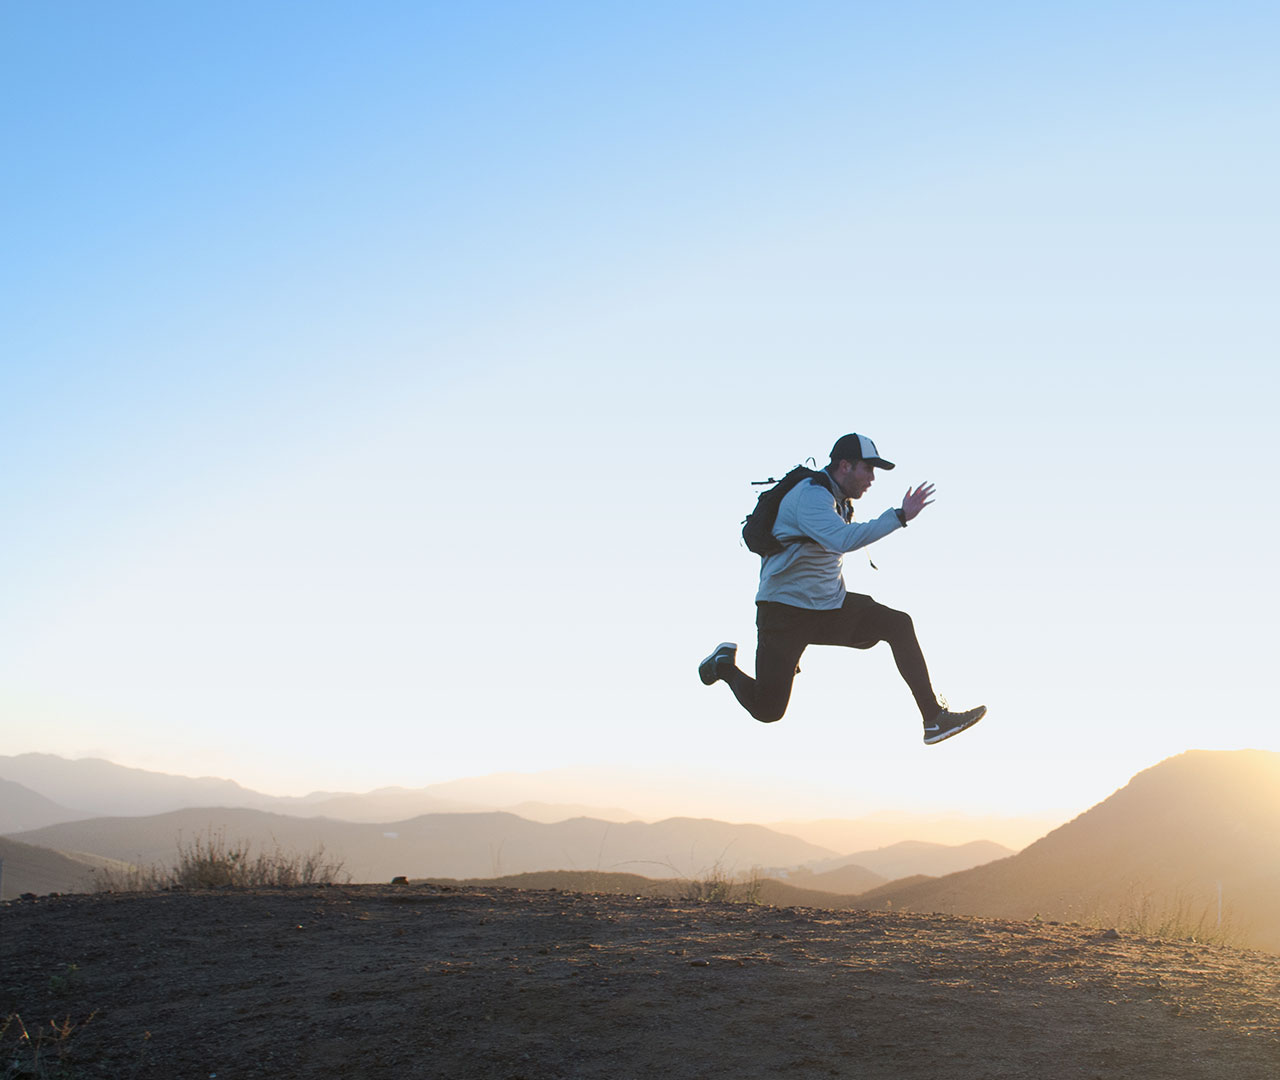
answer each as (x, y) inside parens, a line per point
(1178, 918)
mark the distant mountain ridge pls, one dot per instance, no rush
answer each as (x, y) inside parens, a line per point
(93, 786)
(94, 783)
(447, 845)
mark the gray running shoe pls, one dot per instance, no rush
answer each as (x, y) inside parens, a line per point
(725, 653)
(948, 723)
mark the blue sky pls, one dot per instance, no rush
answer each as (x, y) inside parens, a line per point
(382, 387)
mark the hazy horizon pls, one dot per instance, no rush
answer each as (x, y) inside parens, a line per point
(647, 797)
(383, 391)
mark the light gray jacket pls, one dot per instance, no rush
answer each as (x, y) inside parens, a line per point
(810, 575)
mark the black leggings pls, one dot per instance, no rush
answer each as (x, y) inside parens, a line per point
(784, 632)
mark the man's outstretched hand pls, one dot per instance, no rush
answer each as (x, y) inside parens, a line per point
(915, 501)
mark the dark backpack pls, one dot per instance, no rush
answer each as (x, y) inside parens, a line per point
(757, 526)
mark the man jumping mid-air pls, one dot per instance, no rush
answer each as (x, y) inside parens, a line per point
(802, 598)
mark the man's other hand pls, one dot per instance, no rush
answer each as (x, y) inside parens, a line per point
(915, 501)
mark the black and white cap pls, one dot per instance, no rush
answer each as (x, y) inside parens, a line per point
(858, 448)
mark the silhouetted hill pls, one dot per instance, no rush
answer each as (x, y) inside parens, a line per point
(31, 869)
(883, 896)
(1156, 850)
(910, 857)
(880, 830)
(866, 870)
(21, 808)
(448, 845)
(849, 878)
(759, 890)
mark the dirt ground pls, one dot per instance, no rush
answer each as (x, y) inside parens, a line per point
(423, 981)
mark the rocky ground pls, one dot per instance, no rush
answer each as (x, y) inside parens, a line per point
(425, 981)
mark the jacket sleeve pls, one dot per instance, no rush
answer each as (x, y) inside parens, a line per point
(819, 519)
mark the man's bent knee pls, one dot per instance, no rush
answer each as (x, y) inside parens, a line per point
(898, 624)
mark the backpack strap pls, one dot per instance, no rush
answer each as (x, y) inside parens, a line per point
(845, 506)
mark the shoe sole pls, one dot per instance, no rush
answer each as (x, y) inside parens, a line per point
(932, 740)
(707, 669)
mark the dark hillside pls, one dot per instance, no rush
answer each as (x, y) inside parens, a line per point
(1157, 850)
(29, 869)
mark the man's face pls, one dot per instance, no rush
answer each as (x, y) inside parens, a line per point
(855, 477)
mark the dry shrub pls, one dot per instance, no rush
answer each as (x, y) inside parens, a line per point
(210, 862)
(42, 1054)
(719, 885)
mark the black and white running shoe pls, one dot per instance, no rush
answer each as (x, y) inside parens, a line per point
(948, 723)
(725, 653)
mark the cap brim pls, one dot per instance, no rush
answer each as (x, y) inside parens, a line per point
(880, 463)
